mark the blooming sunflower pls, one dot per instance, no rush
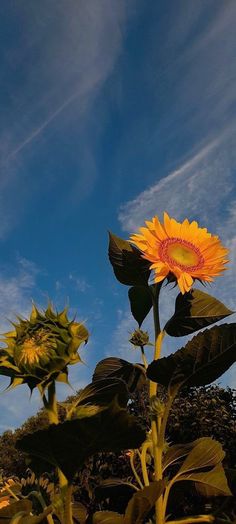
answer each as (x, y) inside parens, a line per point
(181, 250)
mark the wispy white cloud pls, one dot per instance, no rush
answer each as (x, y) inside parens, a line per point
(71, 51)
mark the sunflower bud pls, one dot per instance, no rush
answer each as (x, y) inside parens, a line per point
(139, 338)
(40, 349)
(157, 407)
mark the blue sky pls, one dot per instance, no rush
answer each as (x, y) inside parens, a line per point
(111, 112)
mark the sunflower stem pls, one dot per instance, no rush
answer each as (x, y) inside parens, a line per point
(156, 420)
(68, 505)
(50, 404)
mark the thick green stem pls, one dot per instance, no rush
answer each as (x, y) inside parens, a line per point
(156, 421)
(68, 505)
(50, 404)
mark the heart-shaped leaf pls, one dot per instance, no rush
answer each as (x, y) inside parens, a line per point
(132, 374)
(195, 310)
(69, 444)
(140, 298)
(142, 502)
(204, 359)
(127, 262)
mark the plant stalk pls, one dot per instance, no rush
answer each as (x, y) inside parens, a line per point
(156, 421)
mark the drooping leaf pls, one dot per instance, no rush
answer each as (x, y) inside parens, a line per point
(98, 395)
(142, 502)
(127, 262)
(211, 483)
(204, 359)
(107, 517)
(140, 302)
(69, 444)
(193, 311)
(206, 453)
(132, 374)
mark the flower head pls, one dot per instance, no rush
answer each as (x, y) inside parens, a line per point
(40, 349)
(139, 338)
(181, 250)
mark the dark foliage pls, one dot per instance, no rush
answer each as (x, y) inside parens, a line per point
(206, 411)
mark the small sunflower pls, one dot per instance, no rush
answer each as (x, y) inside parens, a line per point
(181, 250)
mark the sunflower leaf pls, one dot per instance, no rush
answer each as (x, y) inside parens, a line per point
(195, 310)
(211, 483)
(142, 502)
(107, 517)
(204, 359)
(7, 512)
(98, 395)
(69, 444)
(140, 302)
(206, 452)
(132, 374)
(127, 262)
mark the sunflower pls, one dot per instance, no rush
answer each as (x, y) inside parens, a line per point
(40, 348)
(182, 251)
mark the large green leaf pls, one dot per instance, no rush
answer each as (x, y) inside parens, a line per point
(69, 444)
(175, 453)
(98, 395)
(211, 483)
(206, 453)
(195, 310)
(140, 298)
(142, 502)
(132, 374)
(127, 262)
(204, 359)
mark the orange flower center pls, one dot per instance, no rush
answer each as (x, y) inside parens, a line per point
(181, 253)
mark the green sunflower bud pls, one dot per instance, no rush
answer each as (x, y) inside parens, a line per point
(157, 407)
(139, 338)
(40, 349)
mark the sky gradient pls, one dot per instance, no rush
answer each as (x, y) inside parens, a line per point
(111, 112)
